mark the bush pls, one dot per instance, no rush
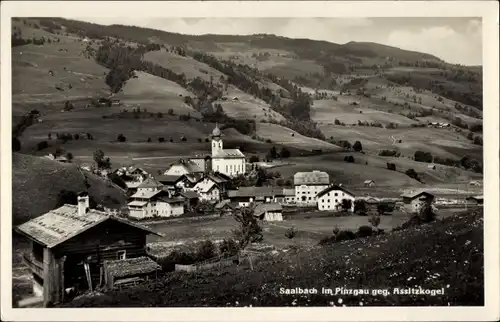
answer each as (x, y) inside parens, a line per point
(254, 159)
(389, 153)
(412, 174)
(391, 166)
(349, 159)
(206, 251)
(478, 140)
(476, 128)
(290, 233)
(422, 156)
(121, 138)
(357, 146)
(364, 231)
(228, 247)
(42, 145)
(360, 206)
(345, 235)
(161, 140)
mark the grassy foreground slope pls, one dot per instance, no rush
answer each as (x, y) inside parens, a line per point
(36, 183)
(447, 254)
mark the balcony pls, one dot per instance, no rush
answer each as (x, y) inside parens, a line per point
(35, 265)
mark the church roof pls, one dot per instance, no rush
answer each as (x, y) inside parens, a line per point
(229, 153)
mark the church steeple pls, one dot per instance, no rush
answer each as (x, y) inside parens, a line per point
(216, 140)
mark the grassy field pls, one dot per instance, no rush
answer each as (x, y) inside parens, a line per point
(446, 255)
(36, 183)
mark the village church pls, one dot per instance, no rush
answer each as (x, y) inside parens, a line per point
(230, 162)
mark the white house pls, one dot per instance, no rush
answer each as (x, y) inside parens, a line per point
(308, 185)
(207, 190)
(289, 196)
(269, 211)
(146, 204)
(230, 162)
(331, 198)
(149, 185)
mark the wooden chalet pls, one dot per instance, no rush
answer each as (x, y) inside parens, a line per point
(70, 244)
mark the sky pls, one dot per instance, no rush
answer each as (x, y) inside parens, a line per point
(455, 40)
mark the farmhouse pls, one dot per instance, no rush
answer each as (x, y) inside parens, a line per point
(149, 184)
(413, 201)
(207, 190)
(70, 244)
(182, 167)
(230, 162)
(188, 181)
(246, 195)
(289, 196)
(170, 182)
(332, 198)
(157, 203)
(476, 200)
(269, 211)
(308, 185)
(369, 183)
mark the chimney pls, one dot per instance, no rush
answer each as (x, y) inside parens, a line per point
(83, 203)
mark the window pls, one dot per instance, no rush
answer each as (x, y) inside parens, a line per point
(328, 200)
(309, 198)
(336, 194)
(121, 254)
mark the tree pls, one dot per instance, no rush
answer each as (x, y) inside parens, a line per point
(470, 136)
(254, 159)
(69, 156)
(346, 204)
(478, 140)
(360, 206)
(101, 161)
(249, 230)
(349, 159)
(422, 156)
(116, 179)
(49, 136)
(272, 152)
(374, 221)
(16, 144)
(160, 139)
(285, 153)
(121, 138)
(357, 146)
(66, 197)
(148, 140)
(42, 145)
(391, 166)
(412, 174)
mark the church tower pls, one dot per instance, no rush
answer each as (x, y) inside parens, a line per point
(216, 141)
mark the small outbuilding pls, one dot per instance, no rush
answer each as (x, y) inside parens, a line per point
(269, 211)
(476, 200)
(369, 183)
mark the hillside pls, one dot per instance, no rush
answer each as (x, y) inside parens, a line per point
(311, 95)
(36, 183)
(446, 255)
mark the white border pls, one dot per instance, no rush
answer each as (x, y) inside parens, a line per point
(488, 10)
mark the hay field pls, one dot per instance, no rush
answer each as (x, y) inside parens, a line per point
(283, 135)
(156, 94)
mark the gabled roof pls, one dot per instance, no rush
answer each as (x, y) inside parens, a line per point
(150, 183)
(188, 194)
(262, 208)
(189, 166)
(369, 181)
(224, 203)
(172, 200)
(415, 194)
(147, 194)
(193, 177)
(136, 203)
(229, 153)
(169, 179)
(64, 223)
(252, 192)
(314, 177)
(333, 188)
(131, 266)
(219, 177)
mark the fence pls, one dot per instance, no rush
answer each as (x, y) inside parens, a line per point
(218, 262)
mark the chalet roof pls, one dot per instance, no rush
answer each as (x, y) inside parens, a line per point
(253, 192)
(369, 181)
(194, 177)
(223, 203)
(137, 203)
(172, 200)
(190, 166)
(205, 186)
(63, 223)
(333, 188)
(219, 177)
(415, 194)
(131, 266)
(189, 194)
(314, 177)
(132, 184)
(146, 194)
(262, 208)
(150, 183)
(169, 179)
(229, 153)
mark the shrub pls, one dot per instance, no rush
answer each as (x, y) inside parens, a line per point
(374, 221)
(285, 153)
(345, 235)
(206, 251)
(228, 247)
(346, 204)
(391, 166)
(476, 128)
(360, 206)
(389, 153)
(42, 145)
(412, 174)
(290, 233)
(162, 140)
(422, 156)
(349, 159)
(357, 146)
(117, 180)
(364, 231)
(121, 138)
(149, 140)
(478, 140)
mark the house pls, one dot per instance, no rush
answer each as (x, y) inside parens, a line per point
(190, 198)
(224, 207)
(182, 167)
(431, 166)
(476, 200)
(132, 186)
(170, 182)
(221, 180)
(149, 184)
(69, 245)
(369, 183)
(332, 198)
(474, 183)
(308, 185)
(137, 174)
(230, 162)
(154, 203)
(413, 201)
(188, 181)
(289, 196)
(246, 195)
(269, 211)
(207, 190)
